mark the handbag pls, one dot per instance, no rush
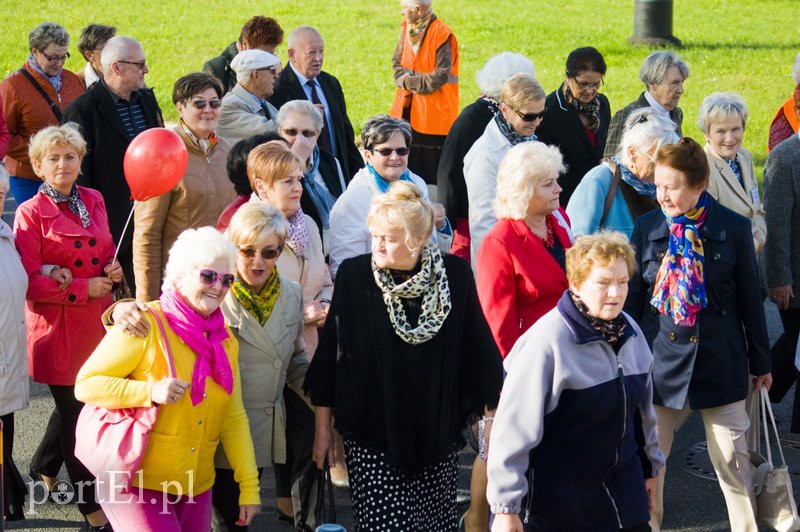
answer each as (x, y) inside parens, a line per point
(772, 485)
(111, 442)
(325, 511)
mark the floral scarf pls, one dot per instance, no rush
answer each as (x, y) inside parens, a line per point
(610, 330)
(680, 290)
(260, 305)
(416, 31)
(590, 110)
(642, 187)
(55, 81)
(733, 164)
(430, 283)
(205, 146)
(508, 132)
(297, 237)
(73, 201)
(204, 336)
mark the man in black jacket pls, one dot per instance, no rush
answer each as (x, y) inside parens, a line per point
(110, 114)
(303, 79)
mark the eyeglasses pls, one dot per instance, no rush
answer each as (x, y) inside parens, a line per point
(201, 104)
(141, 64)
(209, 278)
(266, 253)
(55, 58)
(387, 152)
(530, 117)
(585, 85)
(293, 132)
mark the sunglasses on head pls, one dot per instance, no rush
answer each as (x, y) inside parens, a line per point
(266, 253)
(387, 152)
(530, 117)
(201, 104)
(293, 132)
(209, 277)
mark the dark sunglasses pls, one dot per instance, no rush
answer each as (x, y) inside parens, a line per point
(201, 104)
(530, 117)
(209, 277)
(387, 152)
(266, 253)
(307, 133)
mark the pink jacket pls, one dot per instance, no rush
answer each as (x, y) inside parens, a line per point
(63, 326)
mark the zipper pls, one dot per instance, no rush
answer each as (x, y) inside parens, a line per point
(530, 497)
(614, 504)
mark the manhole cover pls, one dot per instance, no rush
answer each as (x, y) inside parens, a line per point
(695, 459)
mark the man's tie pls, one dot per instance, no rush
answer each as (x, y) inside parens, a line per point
(324, 139)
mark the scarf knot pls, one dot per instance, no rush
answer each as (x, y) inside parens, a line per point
(73, 201)
(508, 132)
(261, 304)
(590, 110)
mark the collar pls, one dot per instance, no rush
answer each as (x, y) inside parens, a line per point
(561, 103)
(5, 230)
(714, 227)
(116, 97)
(90, 77)
(581, 330)
(301, 78)
(654, 103)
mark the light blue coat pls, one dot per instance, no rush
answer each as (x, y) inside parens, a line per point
(585, 207)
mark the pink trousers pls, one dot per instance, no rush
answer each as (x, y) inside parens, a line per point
(145, 510)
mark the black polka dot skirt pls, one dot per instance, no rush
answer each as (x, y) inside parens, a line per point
(386, 499)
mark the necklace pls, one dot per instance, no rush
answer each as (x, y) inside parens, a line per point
(548, 240)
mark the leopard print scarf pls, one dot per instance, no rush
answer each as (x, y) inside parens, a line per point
(430, 283)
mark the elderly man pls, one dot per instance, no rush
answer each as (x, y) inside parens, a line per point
(111, 113)
(258, 33)
(663, 73)
(245, 109)
(303, 79)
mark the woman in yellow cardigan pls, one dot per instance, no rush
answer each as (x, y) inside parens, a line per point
(201, 407)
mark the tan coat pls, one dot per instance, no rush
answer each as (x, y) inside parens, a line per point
(14, 390)
(196, 201)
(726, 189)
(269, 357)
(313, 275)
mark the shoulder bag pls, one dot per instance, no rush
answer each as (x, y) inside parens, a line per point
(40, 90)
(612, 190)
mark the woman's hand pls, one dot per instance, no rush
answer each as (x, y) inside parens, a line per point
(781, 295)
(99, 286)
(314, 313)
(128, 316)
(507, 523)
(247, 512)
(758, 240)
(763, 380)
(114, 272)
(650, 486)
(439, 215)
(304, 147)
(168, 391)
(323, 438)
(62, 276)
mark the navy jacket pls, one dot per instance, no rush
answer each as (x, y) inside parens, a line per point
(710, 361)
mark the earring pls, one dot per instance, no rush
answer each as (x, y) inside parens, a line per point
(413, 253)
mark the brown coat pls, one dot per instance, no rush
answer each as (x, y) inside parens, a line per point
(196, 201)
(27, 112)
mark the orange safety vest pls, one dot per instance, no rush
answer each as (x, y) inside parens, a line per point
(787, 109)
(433, 113)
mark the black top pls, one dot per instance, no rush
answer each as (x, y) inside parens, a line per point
(220, 66)
(558, 253)
(410, 401)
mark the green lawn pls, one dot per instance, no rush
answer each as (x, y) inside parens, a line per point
(746, 46)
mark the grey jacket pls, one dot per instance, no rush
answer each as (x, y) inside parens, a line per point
(617, 127)
(242, 116)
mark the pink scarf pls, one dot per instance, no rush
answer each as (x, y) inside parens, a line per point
(204, 336)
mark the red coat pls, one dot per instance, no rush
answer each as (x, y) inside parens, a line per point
(4, 136)
(63, 327)
(519, 281)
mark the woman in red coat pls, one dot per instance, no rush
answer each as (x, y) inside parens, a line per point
(66, 249)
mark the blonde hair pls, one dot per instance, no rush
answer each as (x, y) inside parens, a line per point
(403, 206)
(600, 249)
(521, 89)
(256, 219)
(194, 249)
(67, 134)
(271, 161)
(519, 172)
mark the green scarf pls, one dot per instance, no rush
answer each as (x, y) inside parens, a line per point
(260, 305)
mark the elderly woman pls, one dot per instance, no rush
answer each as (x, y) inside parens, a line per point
(64, 227)
(577, 116)
(565, 429)
(264, 311)
(406, 332)
(468, 127)
(722, 118)
(300, 123)
(707, 332)
(786, 121)
(90, 44)
(35, 97)
(200, 196)
(520, 111)
(14, 392)
(201, 405)
(426, 66)
(386, 142)
(614, 194)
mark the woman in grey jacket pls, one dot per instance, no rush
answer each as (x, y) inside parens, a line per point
(578, 382)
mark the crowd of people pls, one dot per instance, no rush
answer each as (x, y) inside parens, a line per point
(557, 284)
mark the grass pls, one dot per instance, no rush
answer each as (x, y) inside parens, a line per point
(744, 46)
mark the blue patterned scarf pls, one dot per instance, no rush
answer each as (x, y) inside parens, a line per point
(642, 187)
(55, 81)
(508, 132)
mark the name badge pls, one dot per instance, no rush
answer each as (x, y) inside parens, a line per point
(754, 195)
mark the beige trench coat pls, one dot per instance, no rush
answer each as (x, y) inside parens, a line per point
(14, 389)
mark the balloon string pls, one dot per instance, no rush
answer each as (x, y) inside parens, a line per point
(124, 230)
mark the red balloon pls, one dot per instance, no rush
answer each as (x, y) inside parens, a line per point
(154, 163)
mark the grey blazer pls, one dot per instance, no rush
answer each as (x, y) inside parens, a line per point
(782, 205)
(242, 117)
(617, 127)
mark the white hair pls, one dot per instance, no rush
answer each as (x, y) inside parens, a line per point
(796, 69)
(499, 68)
(300, 107)
(519, 172)
(645, 128)
(194, 249)
(655, 67)
(718, 106)
(117, 49)
(243, 76)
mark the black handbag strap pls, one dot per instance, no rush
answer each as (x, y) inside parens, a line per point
(612, 189)
(326, 506)
(53, 106)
